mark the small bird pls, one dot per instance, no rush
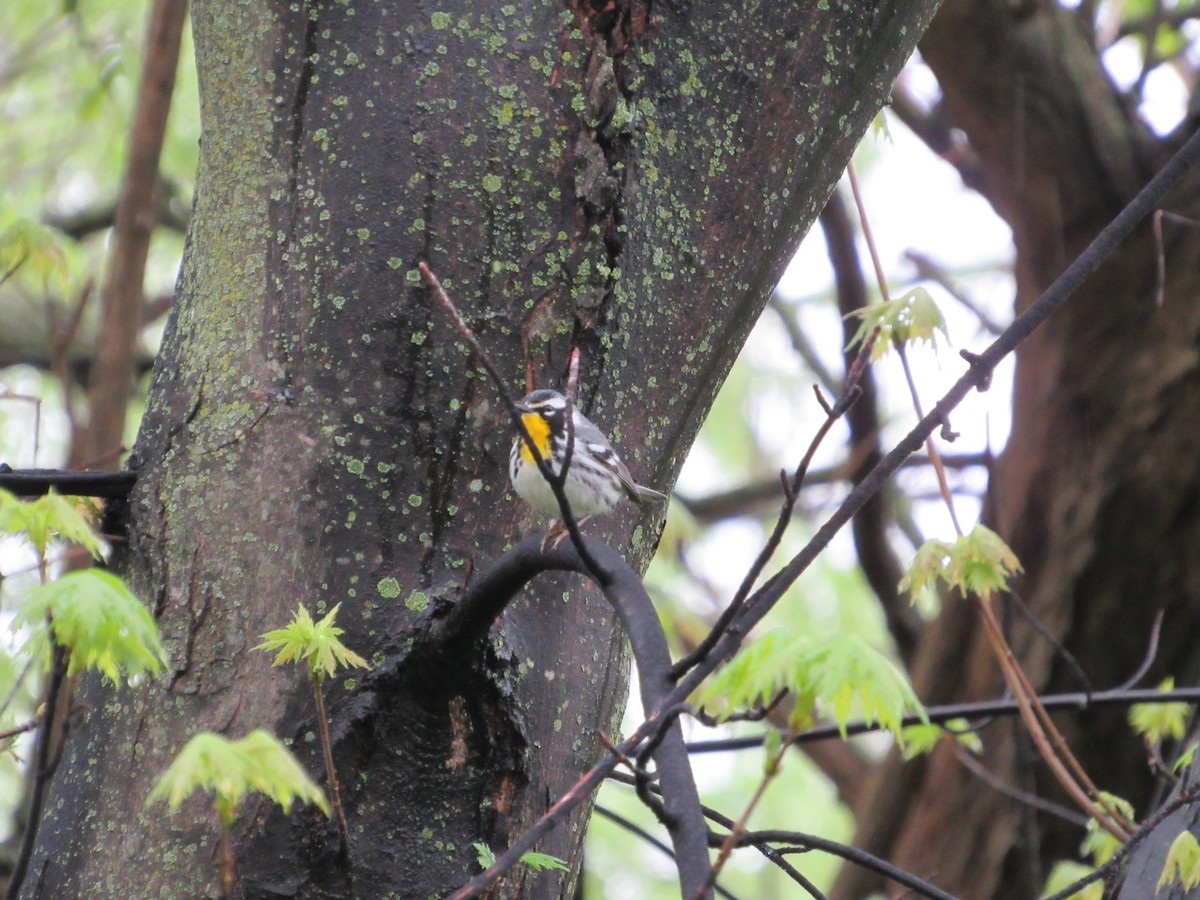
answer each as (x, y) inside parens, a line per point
(596, 477)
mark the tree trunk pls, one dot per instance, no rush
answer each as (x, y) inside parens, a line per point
(1097, 488)
(627, 183)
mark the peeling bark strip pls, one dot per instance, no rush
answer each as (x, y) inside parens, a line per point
(314, 418)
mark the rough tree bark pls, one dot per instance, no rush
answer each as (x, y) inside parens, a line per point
(1097, 490)
(624, 179)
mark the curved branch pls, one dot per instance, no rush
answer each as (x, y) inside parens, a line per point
(850, 854)
(770, 853)
(467, 622)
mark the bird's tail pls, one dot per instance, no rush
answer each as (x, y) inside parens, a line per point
(645, 493)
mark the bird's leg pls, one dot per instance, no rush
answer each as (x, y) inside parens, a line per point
(558, 533)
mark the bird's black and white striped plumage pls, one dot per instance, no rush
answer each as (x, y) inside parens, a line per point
(596, 477)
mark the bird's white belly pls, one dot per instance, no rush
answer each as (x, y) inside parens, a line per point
(585, 499)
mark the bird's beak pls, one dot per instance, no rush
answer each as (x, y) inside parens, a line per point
(522, 408)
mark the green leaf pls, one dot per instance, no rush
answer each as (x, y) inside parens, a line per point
(927, 568)
(540, 862)
(208, 762)
(1098, 843)
(1065, 873)
(911, 318)
(33, 249)
(1183, 863)
(1185, 759)
(919, 739)
(773, 747)
(273, 771)
(965, 735)
(316, 643)
(484, 855)
(977, 563)
(843, 673)
(230, 769)
(46, 518)
(851, 677)
(753, 677)
(1156, 721)
(103, 625)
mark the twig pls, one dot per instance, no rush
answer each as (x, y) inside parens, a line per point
(770, 853)
(43, 769)
(738, 828)
(980, 771)
(1151, 652)
(335, 791)
(1160, 285)
(740, 500)
(876, 555)
(635, 829)
(26, 726)
(228, 867)
(791, 490)
(1048, 636)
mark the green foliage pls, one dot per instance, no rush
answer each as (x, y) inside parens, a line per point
(1183, 863)
(484, 855)
(919, 739)
(46, 518)
(1065, 873)
(1156, 721)
(977, 563)
(102, 624)
(315, 643)
(231, 769)
(1099, 844)
(539, 862)
(1185, 758)
(911, 318)
(33, 250)
(843, 673)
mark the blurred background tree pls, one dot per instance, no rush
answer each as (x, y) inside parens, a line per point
(1036, 122)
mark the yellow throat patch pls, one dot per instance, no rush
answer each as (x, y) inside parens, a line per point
(539, 430)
